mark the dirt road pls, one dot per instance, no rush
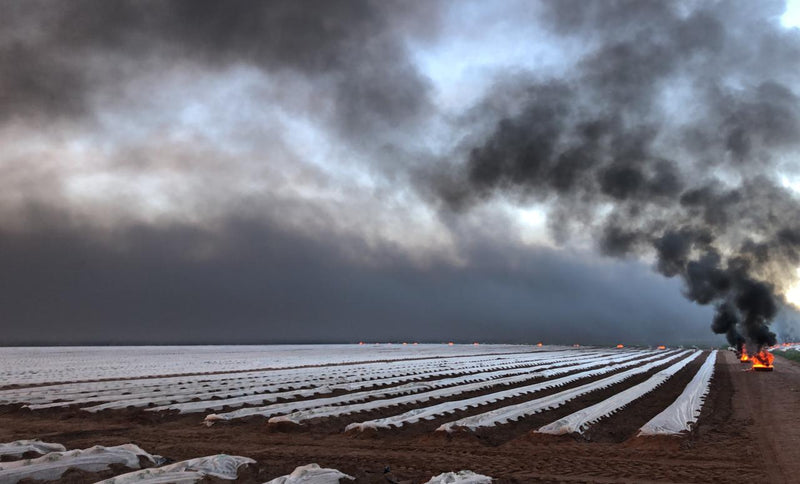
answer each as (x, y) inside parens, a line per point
(770, 403)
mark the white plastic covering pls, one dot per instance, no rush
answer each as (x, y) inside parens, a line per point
(58, 364)
(94, 459)
(430, 412)
(188, 471)
(311, 474)
(683, 412)
(580, 420)
(254, 387)
(19, 447)
(521, 375)
(460, 477)
(513, 412)
(300, 416)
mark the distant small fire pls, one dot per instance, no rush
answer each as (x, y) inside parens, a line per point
(662, 347)
(620, 346)
(762, 361)
(743, 357)
(539, 345)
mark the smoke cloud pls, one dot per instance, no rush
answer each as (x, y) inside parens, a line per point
(190, 161)
(657, 141)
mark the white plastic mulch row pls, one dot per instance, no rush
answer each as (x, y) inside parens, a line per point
(167, 391)
(529, 368)
(430, 412)
(20, 447)
(685, 410)
(531, 407)
(580, 420)
(220, 466)
(460, 477)
(312, 474)
(59, 364)
(44, 394)
(300, 416)
(284, 408)
(52, 465)
(256, 398)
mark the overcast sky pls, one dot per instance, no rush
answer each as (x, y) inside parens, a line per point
(192, 171)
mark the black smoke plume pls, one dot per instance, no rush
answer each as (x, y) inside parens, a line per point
(657, 141)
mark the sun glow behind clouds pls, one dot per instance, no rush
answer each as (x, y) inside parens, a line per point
(793, 293)
(791, 18)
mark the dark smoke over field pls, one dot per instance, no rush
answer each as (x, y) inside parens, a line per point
(356, 169)
(657, 141)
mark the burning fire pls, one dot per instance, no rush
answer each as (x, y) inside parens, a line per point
(744, 358)
(762, 361)
(620, 346)
(539, 345)
(662, 347)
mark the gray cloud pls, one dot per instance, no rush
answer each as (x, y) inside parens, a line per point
(278, 213)
(252, 281)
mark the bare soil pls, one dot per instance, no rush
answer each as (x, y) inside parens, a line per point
(747, 432)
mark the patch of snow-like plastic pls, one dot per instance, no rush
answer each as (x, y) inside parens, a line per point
(50, 466)
(255, 387)
(300, 416)
(460, 477)
(19, 447)
(563, 365)
(21, 365)
(514, 412)
(312, 474)
(430, 412)
(188, 471)
(580, 420)
(683, 412)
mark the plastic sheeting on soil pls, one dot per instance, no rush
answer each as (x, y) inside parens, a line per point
(580, 420)
(285, 408)
(19, 447)
(683, 413)
(188, 471)
(312, 474)
(94, 459)
(460, 477)
(514, 412)
(300, 416)
(430, 412)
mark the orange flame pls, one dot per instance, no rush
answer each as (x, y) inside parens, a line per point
(762, 361)
(744, 358)
(450, 343)
(662, 347)
(620, 346)
(539, 345)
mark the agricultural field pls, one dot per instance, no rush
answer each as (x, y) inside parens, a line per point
(393, 413)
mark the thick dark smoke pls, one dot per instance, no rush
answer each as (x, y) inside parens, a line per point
(657, 142)
(54, 56)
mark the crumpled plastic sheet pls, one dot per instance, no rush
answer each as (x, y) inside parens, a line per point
(19, 447)
(50, 466)
(580, 420)
(312, 474)
(221, 466)
(460, 477)
(683, 413)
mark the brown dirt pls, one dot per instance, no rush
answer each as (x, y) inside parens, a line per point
(745, 433)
